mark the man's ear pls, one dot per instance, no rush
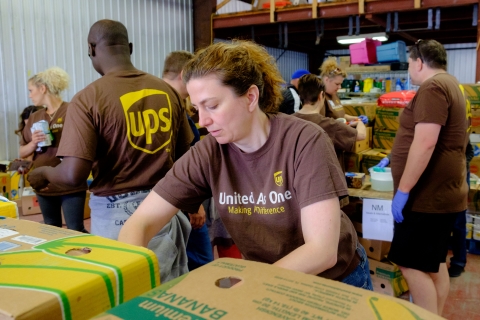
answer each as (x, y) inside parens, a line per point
(130, 45)
(321, 96)
(91, 50)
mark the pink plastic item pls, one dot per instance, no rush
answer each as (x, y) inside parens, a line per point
(363, 52)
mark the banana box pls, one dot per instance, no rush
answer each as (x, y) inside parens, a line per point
(239, 289)
(387, 278)
(356, 109)
(8, 208)
(388, 118)
(383, 139)
(54, 273)
(371, 158)
(5, 185)
(365, 143)
(353, 161)
(472, 93)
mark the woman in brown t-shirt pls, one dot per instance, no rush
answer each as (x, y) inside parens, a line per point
(45, 89)
(274, 178)
(332, 76)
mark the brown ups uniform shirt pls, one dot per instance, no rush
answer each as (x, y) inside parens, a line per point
(343, 136)
(259, 195)
(131, 125)
(333, 108)
(442, 187)
(47, 157)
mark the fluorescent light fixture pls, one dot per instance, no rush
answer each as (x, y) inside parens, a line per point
(380, 36)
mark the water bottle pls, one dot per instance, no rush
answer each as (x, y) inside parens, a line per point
(398, 85)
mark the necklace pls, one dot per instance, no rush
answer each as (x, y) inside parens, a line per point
(53, 114)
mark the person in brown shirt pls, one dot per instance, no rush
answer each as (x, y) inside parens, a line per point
(343, 136)
(429, 175)
(128, 127)
(332, 76)
(45, 90)
(274, 178)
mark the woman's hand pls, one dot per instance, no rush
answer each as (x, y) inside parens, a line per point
(38, 136)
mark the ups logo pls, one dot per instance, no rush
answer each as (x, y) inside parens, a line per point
(277, 177)
(145, 126)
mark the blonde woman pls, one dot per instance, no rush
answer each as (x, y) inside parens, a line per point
(45, 89)
(332, 76)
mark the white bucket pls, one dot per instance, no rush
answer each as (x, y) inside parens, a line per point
(381, 181)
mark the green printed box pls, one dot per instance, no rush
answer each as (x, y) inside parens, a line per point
(357, 109)
(387, 278)
(231, 289)
(383, 139)
(388, 118)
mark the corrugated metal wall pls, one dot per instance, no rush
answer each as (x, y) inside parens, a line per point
(38, 34)
(287, 61)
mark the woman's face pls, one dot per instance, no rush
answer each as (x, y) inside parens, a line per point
(36, 94)
(225, 115)
(332, 84)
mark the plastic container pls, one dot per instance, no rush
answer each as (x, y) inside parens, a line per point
(363, 52)
(381, 181)
(392, 52)
(398, 85)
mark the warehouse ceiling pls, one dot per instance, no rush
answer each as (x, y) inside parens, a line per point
(295, 29)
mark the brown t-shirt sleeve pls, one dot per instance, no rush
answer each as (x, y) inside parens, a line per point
(434, 106)
(79, 137)
(343, 136)
(318, 156)
(185, 186)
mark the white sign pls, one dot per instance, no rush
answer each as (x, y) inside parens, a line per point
(377, 223)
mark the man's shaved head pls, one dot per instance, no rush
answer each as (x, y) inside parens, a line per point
(108, 33)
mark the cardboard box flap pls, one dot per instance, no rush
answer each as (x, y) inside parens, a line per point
(264, 292)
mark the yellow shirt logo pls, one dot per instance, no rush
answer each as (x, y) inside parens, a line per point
(277, 177)
(60, 120)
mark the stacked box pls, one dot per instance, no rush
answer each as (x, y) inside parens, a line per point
(388, 118)
(357, 109)
(364, 144)
(30, 203)
(353, 162)
(383, 139)
(54, 273)
(5, 185)
(372, 157)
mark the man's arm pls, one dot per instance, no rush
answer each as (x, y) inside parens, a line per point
(421, 150)
(150, 217)
(72, 172)
(321, 232)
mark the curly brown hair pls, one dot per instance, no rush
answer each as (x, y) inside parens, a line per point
(239, 65)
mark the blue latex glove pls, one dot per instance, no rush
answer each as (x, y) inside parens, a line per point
(363, 118)
(398, 203)
(383, 163)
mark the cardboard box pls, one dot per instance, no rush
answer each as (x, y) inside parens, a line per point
(364, 144)
(55, 273)
(5, 185)
(387, 278)
(383, 139)
(355, 179)
(371, 158)
(388, 118)
(239, 289)
(30, 203)
(376, 249)
(8, 209)
(344, 62)
(353, 161)
(472, 93)
(357, 109)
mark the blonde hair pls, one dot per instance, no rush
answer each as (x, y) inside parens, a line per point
(55, 79)
(330, 69)
(240, 64)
